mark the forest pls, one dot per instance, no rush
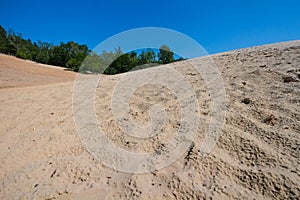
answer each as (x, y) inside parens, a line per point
(79, 58)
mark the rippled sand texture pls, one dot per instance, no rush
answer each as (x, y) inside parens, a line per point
(256, 157)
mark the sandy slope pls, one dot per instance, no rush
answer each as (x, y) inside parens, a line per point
(257, 156)
(15, 72)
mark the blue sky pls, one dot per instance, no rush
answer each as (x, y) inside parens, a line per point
(217, 25)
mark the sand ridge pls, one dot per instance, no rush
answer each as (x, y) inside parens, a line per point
(16, 72)
(257, 156)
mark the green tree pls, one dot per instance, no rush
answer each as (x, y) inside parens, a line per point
(73, 64)
(58, 56)
(24, 53)
(3, 40)
(73, 55)
(165, 55)
(14, 42)
(123, 63)
(25, 49)
(69, 54)
(43, 52)
(76, 55)
(93, 63)
(98, 63)
(147, 57)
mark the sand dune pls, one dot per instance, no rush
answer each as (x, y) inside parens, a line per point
(256, 156)
(15, 72)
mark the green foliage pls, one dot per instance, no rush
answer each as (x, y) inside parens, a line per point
(74, 64)
(147, 58)
(123, 63)
(96, 63)
(42, 52)
(93, 63)
(58, 56)
(24, 53)
(3, 40)
(78, 57)
(69, 54)
(165, 55)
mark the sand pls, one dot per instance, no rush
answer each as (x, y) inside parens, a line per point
(256, 156)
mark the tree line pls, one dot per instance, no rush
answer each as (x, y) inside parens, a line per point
(142, 59)
(69, 55)
(78, 57)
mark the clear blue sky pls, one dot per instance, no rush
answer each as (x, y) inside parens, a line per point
(217, 25)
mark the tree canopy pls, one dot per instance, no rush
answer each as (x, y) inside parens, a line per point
(146, 58)
(165, 55)
(70, 54)
(78, 57)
